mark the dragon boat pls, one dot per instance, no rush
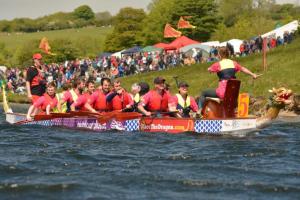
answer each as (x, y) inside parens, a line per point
(218, 117)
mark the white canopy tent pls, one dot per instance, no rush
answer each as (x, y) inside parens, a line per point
(236, 43)
(211, 43)
(118, 54)
(290, 27)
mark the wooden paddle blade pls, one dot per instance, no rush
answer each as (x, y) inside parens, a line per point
(85, 114)
(128, 115)
(61, 115)
(42, 117)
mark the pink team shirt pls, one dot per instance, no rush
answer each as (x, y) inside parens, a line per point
(43, 103)
(67, 97)
(215, 68)
(82, 100)
(174, 100)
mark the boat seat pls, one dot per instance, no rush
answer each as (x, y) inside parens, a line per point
(218, 100)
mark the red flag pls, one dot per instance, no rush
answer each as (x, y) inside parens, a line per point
(170, 32)
(184, 24)
(44, 45)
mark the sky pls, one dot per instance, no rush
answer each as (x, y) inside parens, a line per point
(10, 9)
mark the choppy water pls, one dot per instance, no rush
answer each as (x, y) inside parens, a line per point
(54, 163)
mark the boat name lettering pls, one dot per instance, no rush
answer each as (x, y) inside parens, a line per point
(91, 125)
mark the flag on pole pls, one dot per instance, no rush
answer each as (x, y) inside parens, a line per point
(170, 32)
(184, 24)
(44, 45)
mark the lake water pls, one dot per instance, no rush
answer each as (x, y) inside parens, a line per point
(55, 163)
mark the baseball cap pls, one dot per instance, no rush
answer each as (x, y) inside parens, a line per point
(183, 84)
(37, 56)
(159, 80)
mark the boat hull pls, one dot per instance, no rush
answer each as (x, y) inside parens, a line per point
(145, 124)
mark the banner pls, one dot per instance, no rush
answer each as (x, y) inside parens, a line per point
(184, 24)
(44, 45)
(170, 32)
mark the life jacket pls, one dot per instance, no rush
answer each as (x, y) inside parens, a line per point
(74, 95)
(184, 105)
(64, 106)
(120, 101)
(49, 101)
(37, 79)
(158, 102)
(137, 98)
(100, 103)
(227, 71)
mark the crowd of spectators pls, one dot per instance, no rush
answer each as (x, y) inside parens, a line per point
(109, 66)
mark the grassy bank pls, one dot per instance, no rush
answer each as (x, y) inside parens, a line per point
(14, 40)
(283, 70)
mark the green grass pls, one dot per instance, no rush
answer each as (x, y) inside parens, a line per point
(283, 70)
(13, 40)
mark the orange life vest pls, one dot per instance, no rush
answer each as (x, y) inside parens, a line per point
(100, 103)
(120, 101)
(158, 102)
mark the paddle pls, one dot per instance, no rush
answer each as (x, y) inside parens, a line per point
(135, 115)
(85, 114)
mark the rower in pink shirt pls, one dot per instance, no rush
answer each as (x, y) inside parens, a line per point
(79, 104)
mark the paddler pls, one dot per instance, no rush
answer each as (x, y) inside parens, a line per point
(226, 70)
(138, 91)
(155, 100)
(97, 103)
(45, 103)
(35, 81)
(182, 102)
(79, 103)
(70, 96)
(118, 98)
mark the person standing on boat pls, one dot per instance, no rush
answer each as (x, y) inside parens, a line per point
(155, 100)
(45, 103)
(35, 81)
(70, 96)
(226, 70)
(119, 98)
(98, 103)
(79, 103)
(182, 102)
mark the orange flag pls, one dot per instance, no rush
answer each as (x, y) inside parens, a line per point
(170, 32)
(44, 45)
(184, 24)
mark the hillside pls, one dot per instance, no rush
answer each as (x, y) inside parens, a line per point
(283, 70)
(13, 40)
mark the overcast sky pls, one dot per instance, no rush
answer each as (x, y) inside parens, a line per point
(10, 9)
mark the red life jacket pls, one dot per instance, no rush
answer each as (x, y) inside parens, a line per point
(158, 102)
(120, 101)
(37, 79)
(49, 101)
(100, 103)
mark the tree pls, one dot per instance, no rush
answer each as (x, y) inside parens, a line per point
(127, 29)
(84, 12)
(160, 13)
(230, 10)
(202, 14)
(103, 18)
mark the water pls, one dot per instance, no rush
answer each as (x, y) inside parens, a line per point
(54, 163)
